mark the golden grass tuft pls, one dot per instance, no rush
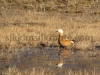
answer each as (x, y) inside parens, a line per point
(34, 71)
(42, 71)
(84, 45)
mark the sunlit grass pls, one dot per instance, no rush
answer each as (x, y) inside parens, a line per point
(47, 71)
(27, 30)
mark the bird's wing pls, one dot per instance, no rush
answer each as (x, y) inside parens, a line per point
(69, 40)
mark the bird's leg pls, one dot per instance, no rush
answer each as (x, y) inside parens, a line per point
(59, 48)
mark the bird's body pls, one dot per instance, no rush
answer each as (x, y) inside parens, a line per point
(64, 42)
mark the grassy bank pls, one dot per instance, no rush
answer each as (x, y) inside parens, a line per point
(20, 28)
(34, 71)
(67, 6)
(30, 23)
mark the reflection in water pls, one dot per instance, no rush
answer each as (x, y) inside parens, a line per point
(48, 58)
(62, 54)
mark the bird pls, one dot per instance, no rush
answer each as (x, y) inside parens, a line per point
(64, 43)
(62, 54)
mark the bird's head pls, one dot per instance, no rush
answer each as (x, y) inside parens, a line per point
(60, 31)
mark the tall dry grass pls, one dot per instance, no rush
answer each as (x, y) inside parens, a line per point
(28, 28)
(68, 6)
(41, 71)
(16, 71)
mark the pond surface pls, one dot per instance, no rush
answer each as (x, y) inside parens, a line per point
(48, 58)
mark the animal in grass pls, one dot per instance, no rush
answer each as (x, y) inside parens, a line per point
(62, 54)
(64, 43)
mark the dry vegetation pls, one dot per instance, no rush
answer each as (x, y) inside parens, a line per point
(29, 22)
(41, 71)
(16, 71)
(21, 25)
(30, 28)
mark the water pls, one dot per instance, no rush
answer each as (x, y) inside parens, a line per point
(48, 58)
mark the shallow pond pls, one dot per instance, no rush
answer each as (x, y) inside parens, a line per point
(48, 58)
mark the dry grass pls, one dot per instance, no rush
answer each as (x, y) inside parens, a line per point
(41, 71)
(30, 28)
(74, 6)
(84, 45)
(16, 71)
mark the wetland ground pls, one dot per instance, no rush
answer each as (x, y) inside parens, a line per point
(28, 41)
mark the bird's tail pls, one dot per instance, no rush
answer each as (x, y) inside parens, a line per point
(72, 42)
